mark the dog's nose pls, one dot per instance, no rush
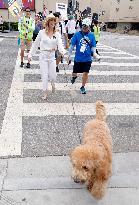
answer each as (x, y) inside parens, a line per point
(76, 180)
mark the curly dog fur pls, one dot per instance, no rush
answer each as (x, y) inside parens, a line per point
(92, 160)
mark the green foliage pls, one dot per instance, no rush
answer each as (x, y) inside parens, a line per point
(13, 26)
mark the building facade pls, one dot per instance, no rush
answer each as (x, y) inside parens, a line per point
(116, 10)
(107, 10)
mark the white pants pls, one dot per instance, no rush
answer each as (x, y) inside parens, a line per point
(48, 68)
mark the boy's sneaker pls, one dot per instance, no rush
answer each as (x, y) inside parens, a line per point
(28, 65)
(73, 79)
(22, 64)
(82, 90)
(57, 69)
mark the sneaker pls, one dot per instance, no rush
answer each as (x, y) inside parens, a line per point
(82, 90)
(57, 69)
(22, 64)
(73, 79)
(28, 65)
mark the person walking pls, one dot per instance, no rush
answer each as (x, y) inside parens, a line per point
(79, 24)
(45, 12)
(38, 26)
(26, 26)
(96, 31)
(71, 27)
(60, 27)
(48, 40)
(85, 44)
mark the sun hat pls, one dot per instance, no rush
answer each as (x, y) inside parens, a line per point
(86, 22)
(49, 17)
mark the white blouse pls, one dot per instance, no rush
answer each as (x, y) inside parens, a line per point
(47, 44)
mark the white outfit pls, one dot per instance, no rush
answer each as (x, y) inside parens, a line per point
(71, 26)
(47, 55)
(62, 30)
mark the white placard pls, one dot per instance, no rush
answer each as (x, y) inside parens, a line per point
(62, 8)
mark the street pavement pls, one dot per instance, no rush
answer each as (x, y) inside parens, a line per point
(37, 136)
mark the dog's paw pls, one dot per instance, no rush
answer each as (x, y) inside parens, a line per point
(98, 190)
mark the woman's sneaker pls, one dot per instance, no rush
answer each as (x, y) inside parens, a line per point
(82, 90)
(28, 65)
(22, 65)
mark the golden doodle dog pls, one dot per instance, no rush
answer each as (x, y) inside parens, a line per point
(92, 160)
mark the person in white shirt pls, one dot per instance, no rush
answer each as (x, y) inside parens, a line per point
(71, 27)
(60, 27)
(48, 40)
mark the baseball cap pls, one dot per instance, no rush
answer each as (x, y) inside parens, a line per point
(86, 22)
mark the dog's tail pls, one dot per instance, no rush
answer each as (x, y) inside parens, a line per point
(100, 111)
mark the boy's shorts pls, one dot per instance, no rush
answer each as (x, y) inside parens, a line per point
(81, 67)
(70, 36)
(25, 43)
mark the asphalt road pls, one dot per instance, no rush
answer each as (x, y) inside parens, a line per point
(32, 127)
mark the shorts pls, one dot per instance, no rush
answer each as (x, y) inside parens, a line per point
(81, 67)
(70, 35)
(25, 43)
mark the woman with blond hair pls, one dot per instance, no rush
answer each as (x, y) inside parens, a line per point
(48, 40)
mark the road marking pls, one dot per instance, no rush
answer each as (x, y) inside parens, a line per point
(37, 109)
(35, 55)
(89, 86)
(41, 109)
(1, 39)
(112, 108)
(114, 52)
(98, 64)
(122, 57)
(91, 72)
(120, 51)
(112, 57)
(11, 133)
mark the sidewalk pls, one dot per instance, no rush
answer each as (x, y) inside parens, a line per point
(11, 34)
(47, 181)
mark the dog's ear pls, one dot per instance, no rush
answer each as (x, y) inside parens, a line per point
(75, 151)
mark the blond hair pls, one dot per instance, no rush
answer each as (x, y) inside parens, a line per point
(46, 23)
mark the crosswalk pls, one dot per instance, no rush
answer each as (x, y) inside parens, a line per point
(116, 83)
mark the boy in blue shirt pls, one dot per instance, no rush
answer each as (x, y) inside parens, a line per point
(85, 44)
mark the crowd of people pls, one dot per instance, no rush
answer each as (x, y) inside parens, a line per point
(55, 37)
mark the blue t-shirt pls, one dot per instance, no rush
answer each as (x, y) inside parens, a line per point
(83, 49)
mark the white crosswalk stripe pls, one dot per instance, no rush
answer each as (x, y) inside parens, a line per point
(89, 86)
(11, 134)
(91, 72)
(33, 109)
(100, 64)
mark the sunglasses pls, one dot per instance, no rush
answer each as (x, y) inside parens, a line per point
(27, 11)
